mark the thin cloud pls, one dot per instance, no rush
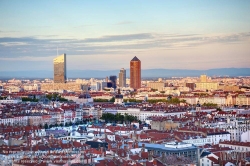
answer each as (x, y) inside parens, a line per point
(27, 58)
(111, 44)
(124, 23)
(85, 25)
(9, 31)
(113, 38)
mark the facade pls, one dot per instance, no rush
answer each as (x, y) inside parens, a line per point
(135, 73)
(205, 84)
(156, 85)
(96, 86)
(233, 88)
(122, 78)
(203, 78)
(119, 98)
(103, 85)
(113, 80)
(190, 85)
(143, 115)
(63, 86)
(163, 125)
(177, 149)
(242, 100)
(236, 146)
(60, 69)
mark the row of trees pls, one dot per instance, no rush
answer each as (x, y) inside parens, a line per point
(105, 100)
(132, 100)
(29, 99)
(210, 105)
(108, 117)
(46, 126)
(55, 96)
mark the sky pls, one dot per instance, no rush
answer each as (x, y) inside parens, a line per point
(106, 35)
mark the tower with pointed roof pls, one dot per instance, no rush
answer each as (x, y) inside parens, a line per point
(135, 73)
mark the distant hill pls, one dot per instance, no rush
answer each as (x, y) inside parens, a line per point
(145, 73)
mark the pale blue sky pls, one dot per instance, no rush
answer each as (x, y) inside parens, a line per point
(107, 34)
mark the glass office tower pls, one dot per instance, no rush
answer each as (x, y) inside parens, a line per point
(60, 69)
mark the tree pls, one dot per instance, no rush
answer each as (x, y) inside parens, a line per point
(154, 90)
(55, 96)
(183, 101)
(119, 118)
(210, 105)
(218, 109)
(61, 124)
(29, 99)
(108, 117)
(112, 99)
(56, 125)
(70, 123)
(101, 100)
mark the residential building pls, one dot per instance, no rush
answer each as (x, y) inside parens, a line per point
(178, 149)
(156, 85)
(205, 84)
(236, 146)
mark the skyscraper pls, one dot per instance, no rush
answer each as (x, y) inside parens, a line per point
(60, 69)
(122, 78)
(113, 80)
(135, 73)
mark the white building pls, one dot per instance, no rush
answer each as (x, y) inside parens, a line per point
(143, 115)
(237, 146)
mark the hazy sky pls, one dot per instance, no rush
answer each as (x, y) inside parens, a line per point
(107, 34)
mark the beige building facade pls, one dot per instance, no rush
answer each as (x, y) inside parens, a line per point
(156, 85)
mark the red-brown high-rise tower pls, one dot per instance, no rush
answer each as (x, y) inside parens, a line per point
(135, 73)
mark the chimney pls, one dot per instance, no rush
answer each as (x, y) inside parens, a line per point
(102, 151)
(143, 148)
(154, 163)
(130, 145)
(109, 146)
(136, 144)
(125, 147)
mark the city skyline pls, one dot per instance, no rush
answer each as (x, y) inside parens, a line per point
(164, 34)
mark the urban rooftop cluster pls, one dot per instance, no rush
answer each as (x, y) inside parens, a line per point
(124, 121)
